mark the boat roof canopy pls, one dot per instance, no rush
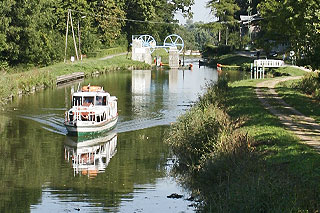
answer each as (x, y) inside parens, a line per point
(92, 89)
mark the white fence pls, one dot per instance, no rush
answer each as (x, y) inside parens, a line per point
(268, 63)
(257, 68)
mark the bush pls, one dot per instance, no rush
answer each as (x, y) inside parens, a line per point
(310, 84)
(216, 51)
(4, 66)
(215, 93)
(207, 132)
(246, 67)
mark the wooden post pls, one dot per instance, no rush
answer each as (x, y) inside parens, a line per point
(183, 58)
(65, 50)
(255, 72)
(251, 70)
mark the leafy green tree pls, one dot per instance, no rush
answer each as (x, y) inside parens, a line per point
(225, 11)
(295, 22)
(5, 9)
(109, 20)
(155, 16)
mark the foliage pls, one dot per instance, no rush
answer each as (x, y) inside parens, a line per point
(283, 25)
(33, 32)
(206, 132)
(310, 84)
(225, 11)
(15, 83)
(246, 67)
(276, 174)
(216, 51)
(110, 15)
(299, 100)
(215, 94)
(106, 52)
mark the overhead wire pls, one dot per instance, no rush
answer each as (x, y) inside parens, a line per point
(123, 19)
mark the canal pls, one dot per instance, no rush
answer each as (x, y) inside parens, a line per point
(126, 170)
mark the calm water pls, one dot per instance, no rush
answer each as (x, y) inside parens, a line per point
(127, 170)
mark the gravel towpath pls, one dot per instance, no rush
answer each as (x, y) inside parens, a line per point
(302, 126)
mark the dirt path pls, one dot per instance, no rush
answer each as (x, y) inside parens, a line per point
(304, 127)
(111, 56)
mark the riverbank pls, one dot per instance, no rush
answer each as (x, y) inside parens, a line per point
(275, 173)
(21, 82)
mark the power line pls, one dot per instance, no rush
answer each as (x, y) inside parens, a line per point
(122, 19)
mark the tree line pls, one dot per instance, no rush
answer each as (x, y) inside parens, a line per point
(292, 22)
(33, 32)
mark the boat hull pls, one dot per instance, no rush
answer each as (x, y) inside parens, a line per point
(87, 127)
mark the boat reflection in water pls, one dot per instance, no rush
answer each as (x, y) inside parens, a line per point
(90, 156)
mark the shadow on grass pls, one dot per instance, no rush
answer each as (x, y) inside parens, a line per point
(304, 104)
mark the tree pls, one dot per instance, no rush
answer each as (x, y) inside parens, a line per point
(155, 16)
(225, 11)
(109, 20)
(295, 22)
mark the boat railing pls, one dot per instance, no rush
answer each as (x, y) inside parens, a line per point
(89, 115)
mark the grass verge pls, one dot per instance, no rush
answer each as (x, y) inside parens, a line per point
(234, 59)
(302, 102)
(278, 174)
(28, 81)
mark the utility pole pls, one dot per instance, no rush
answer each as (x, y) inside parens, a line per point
(74, 39)
(65, 50)
(79, 35)
(249, 10)
(79, 39)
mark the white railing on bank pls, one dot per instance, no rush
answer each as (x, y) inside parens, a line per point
(268, 63)
(258, 67)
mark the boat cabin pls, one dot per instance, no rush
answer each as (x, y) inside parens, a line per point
(90, 96)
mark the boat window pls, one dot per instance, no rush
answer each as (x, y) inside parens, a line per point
(88, 100)
(104, 101)
(99, 101)
(77, 101)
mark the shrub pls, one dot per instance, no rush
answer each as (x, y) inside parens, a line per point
(215, 93)
(246, 67)
(215, 51)
(310, 84)
(207, 132)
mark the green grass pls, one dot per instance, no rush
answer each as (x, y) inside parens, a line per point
(282, 174)
(292, 71)
(23, 82)
(303, 103)
(279, 175)
(105, 52)
(233, 59)
(161, 53)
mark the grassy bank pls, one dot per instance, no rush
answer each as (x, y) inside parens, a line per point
(19, 82)
(274, 173)
(234, 60)
(295, 97)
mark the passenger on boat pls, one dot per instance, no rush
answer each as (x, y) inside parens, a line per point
(88, 101)
(99, 101)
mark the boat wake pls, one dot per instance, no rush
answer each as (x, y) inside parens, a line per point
(50, 122)
(54, 121)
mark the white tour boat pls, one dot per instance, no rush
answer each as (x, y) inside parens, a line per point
(93, 110)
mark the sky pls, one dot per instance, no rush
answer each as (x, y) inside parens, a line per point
(200, 13)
